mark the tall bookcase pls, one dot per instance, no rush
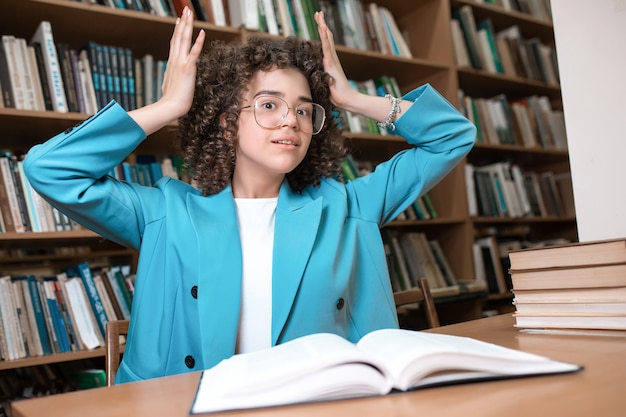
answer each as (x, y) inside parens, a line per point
(539, 159)
(426, 24)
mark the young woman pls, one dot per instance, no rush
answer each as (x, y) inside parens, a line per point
(268, 245)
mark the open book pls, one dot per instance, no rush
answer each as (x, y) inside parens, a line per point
(327, 367)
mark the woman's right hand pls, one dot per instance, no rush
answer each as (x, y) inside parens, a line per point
(179, 78)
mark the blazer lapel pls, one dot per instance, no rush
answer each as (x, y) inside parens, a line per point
(297, 222)
(219, 273)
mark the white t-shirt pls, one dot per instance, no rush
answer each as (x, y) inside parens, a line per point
(256, 218)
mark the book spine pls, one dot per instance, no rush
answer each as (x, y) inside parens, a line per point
(43, 78)
(9, 186)
(27, 76)
(83, 313)
(45, 38)
(104, 56)
(40, 319)
(92, 294)
(131, 77)
(7, 315)
(87, 82)
(121, 298)
(29, 199)
(16, 81)
(19, 191)
(123, 77)
(57, 319)
(123, 284)
(65, 314)
(22, 318)
(4, 345)
(65, 65)
(98, 85)
(5, 204)
(5, 79)
(76, 78)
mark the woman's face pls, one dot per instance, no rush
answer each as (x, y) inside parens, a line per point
(271, 152)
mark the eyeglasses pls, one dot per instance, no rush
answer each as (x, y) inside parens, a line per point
(271, 111)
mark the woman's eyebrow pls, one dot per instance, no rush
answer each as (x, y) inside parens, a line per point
(279, 94)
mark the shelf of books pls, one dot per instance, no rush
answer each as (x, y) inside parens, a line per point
(518, 179)
(109, 49)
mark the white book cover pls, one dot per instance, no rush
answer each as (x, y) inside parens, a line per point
(30, 311)
(285, 18)
(461, 54)
(379, 28)
(43, 36)
(32, 66)
(27, 76)
(235, 13)
(298, 10)
(82, 314)
(28, 199)
(7, 317)
(86, 80)
(251, 14)
(16, 77)
(356, 23)
(397, 38)
(148, 75)
(10, 185)
(472, 203)
(488, 58)
(518, 179)
(16, 326)
(270, 16)
(219, 14)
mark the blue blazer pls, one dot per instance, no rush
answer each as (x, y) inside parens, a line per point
(329, 267)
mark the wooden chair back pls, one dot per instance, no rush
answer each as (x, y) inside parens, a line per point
(114, 329)
(421, 295)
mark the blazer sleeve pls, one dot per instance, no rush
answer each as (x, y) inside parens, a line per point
(440, 137)
(71, 172)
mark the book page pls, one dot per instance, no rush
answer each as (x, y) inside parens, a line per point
(416, 359)
(316, 367)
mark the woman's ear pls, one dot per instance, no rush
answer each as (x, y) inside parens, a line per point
(228, 135)
(222, 120)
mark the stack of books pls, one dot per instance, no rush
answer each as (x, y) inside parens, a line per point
(571, 286)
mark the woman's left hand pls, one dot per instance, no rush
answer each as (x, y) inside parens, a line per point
(341, 93)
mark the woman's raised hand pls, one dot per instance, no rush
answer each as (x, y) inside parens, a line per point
(180, 74)
(341, 93)
(179, 79)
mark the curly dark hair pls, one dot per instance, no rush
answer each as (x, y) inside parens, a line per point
(225, 70)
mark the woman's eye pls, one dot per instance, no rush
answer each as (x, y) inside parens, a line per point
(268, 105)
(303, 111)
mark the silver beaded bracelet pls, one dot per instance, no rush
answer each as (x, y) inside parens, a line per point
(395, 110)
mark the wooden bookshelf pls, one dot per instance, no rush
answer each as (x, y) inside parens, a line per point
(49, 359)
(482, 83)
(426, 24)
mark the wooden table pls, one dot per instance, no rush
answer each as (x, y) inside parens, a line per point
(597, 391)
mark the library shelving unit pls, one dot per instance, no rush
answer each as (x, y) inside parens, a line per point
(481, 83)
(426, 25)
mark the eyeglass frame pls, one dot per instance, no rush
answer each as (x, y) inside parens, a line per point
(284, 115)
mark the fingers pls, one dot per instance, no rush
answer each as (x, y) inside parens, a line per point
(181, 38)
(326, 36)
(179, 79)
(196, 49)
(321, 23)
